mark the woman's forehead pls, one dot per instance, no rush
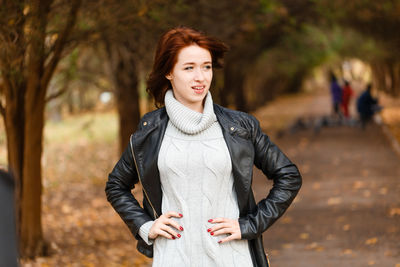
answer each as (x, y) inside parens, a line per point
(193, 54)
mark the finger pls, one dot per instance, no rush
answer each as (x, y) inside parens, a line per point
(227, 239)
(170, 231)
(170, 214)
(165, 234)
(174, 224)
(223, 231)
(217, 220)
(218, 226)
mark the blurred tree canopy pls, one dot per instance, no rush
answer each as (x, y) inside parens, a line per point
(59, 50)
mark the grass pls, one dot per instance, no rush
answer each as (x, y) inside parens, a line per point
(78, 130)
(85, 128)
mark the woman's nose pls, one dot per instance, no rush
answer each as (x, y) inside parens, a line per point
(199, 75)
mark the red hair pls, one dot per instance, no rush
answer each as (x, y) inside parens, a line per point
(167, 51)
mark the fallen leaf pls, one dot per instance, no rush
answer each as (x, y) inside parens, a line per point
(347, 251)
(383, 191)
(316, 186)
(312, 245)
(358, 184)
(286, 220)
(329, 237)
(394, 211)
(371, 241)
(367, 193)
(341, 219)
(388, 253)
(66, 209)
(287, 245)
(346, 227)
(304, 236)
(334, 201)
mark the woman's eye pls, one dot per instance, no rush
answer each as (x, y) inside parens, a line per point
(188, 68)
(208, 67)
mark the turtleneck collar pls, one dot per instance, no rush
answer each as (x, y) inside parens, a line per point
(186, 119)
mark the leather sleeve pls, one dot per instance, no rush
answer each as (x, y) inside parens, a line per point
(286, 184)
(120, 182)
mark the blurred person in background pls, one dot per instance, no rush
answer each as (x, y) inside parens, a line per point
(8, 239)
(346, 97)
(336, 93)
(367, 106)
(194, 160)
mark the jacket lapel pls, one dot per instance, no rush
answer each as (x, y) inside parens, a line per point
(147, 143)
(242, 155)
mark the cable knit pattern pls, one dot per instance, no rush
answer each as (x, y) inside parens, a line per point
(196, 180)
(187, 120)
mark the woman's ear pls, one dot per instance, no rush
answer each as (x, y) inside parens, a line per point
(168, 76)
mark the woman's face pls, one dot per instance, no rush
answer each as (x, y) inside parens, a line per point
(191, 76)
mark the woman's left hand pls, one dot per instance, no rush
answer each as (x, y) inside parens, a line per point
(225, 226)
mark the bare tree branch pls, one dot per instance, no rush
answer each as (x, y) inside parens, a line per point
(2, 111)
(57, 94)
(60, 43)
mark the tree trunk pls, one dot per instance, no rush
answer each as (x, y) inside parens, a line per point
(128, 106)
(125, 76)
(233, 91)
(14, 122)
(31, 233)
(24, 126)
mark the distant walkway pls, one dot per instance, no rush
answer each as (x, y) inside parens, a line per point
(348, 211)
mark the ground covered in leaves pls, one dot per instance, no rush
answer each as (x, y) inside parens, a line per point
(347, 213)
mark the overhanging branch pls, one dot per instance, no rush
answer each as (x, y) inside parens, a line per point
(57, 94)
(60, 43)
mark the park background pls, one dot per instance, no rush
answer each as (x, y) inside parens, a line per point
(72, 90)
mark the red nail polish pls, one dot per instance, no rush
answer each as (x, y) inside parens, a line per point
(180, 215)
(173, 237)
(209, 230)
(210, 220)
(219, 242)
(181, 228)
(211, 233)
(179, 235)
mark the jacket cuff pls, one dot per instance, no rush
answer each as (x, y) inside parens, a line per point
(246, 230)
(144, 232)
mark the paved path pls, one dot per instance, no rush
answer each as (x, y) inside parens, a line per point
(348, 210)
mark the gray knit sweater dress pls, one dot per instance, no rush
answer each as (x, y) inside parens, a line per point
(196, 180)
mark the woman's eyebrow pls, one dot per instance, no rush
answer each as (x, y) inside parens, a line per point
(193, 63)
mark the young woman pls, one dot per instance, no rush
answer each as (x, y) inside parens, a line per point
(195, 160)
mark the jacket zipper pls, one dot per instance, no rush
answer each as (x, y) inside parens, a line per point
(137, 170)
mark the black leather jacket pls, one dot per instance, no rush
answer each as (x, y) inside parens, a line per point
(247, 145)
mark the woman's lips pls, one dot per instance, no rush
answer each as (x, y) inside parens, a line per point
(198, 89)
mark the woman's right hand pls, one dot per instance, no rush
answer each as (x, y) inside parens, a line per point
(161, 226)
